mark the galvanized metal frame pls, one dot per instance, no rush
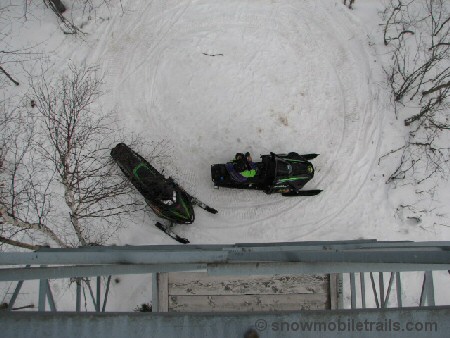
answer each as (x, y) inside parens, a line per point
(240, 259)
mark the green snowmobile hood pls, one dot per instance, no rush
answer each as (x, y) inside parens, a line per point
(184, 212)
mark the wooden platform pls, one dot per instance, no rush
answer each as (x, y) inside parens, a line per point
(198, 292)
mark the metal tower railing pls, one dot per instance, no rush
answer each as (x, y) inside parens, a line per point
(358, 258)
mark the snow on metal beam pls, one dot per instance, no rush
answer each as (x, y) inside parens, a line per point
(317, 267)
(14, 274)
(378, 254)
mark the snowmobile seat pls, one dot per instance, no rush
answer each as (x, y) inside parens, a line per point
(234, 174)
(242, 168)
(153, 186)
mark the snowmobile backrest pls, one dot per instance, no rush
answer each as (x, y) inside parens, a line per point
(236, 176)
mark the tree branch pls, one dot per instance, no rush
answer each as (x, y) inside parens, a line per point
(8, 76)
(15, 221)
(19, 244)
(435, 89)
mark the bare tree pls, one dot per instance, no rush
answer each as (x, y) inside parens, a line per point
(421, 160)
(420, 65)
(417, 33)
(76, 142)
(4, 51)
(59, 185)
(11, 56)
(58, 8)
(87, 7)
(24, 201)
(61, 148)
(397, 21)
(6, 54)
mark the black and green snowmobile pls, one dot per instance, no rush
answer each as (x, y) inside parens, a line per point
(166, 198)
(276, 173)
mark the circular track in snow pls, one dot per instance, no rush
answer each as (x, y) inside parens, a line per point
(215, 78)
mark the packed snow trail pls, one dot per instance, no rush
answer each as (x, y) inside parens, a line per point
(215, 78)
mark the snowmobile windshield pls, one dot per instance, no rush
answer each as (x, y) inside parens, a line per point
(283, 169)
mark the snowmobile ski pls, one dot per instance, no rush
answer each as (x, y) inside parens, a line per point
(294, 156)
(309, 156)
(197, 202)
(302, 193)
(202, 205)
(168, 231)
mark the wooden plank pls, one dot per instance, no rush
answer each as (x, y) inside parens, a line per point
(248, 303)
(163, 295)
(340, 290)
(198, 283)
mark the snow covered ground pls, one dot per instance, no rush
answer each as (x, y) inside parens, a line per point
(212, 78)
(288, 76)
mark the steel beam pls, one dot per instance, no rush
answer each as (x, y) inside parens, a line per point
(51, 300)
(111, 257)
(98, 296)
(13, 274)
(78, 294)
(429, 288)
(389, 289)
(362, 283)
(155, 292)
(352, 290)
(15, 295)
(318, 267)
(381, 288)
(398, 284)
(42, 294)
(408, 255)
(423, 252)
